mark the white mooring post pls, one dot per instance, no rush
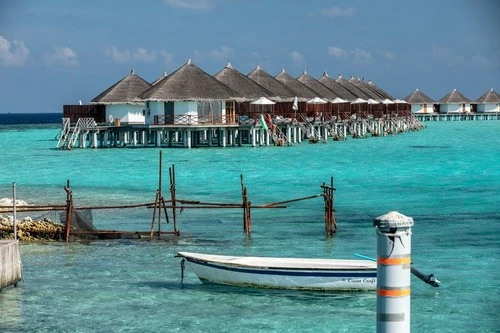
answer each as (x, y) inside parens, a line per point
(393, 272)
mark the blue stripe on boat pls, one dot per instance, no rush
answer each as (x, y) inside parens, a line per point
(291, 272)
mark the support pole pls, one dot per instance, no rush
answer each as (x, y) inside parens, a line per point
(393, 272)
(14, 215)
(69, 209)
(173, 197)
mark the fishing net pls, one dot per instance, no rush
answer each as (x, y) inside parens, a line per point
(81, 220)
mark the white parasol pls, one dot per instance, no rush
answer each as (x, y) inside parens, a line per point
(338, 100)
(263, 101)
(359, 101)
(316, 100)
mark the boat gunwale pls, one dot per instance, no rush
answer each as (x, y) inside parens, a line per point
(217, 262)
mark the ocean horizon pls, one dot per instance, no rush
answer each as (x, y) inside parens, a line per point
(446, 177)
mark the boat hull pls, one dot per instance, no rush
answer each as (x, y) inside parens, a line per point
(284, 273)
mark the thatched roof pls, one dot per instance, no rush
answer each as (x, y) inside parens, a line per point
(246, 87)
(491, 97)
(418, 97)
(317, 86)
(278, 89)
(380, 90)
(164, 75)
(190, 83)
(363, 86)
(455, 97)
(352, 88)
(336, 88)
(304, 92)
(123, 91)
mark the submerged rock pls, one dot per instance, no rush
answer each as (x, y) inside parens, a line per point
(29, 230)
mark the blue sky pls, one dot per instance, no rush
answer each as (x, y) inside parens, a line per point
(57, 52)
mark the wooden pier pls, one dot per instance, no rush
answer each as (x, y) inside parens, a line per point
(191, 132)
(10, 263)
(457, 116)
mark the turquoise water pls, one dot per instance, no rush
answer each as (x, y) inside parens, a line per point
(447, 177)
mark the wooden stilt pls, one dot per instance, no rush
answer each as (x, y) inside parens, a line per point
(173, 197)
(330, 224)
(69, 209)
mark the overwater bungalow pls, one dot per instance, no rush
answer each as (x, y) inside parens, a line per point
(247, 88)
(369, 91)
(119, 100)
(285, 96)
(352, 88)
(489, 102)
(420, 102)
(304, 92)
(336, 87)
(323, 91)
(381, 91)
(454, 102)
(189, 96)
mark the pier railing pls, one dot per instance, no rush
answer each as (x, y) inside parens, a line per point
(194, 120)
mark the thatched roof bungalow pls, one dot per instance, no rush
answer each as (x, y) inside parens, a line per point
(189, 96)
(454, 102)
(285, 95)
(379, 90)
(489, 102)
(119, 99)
(313, 84)
(352, 88)
(338, 89)
(420, 102)
(304, 93)
(246, 87)
(279, 90)
(361, 85)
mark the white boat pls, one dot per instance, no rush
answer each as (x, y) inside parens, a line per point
(284, 273)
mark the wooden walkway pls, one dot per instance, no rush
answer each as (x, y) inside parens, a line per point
(86, 133)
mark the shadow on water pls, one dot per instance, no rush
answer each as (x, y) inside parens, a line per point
(430, 147)
(257, 292)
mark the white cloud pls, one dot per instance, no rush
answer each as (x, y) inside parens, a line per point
(144, 55)
(361, 55)
(126, 55)
(337, 52)
(13, 55)
(297, 58)
(338, 12)
(480, 61)
(62, 55)
(224, 52)
(446, 55)
(189, 4)
(167, 57)
(387, 55)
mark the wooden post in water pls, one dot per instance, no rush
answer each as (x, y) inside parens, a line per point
(330, 224)
(69, 209)
(173, 197)
(14, 214)
(159, 203)
(247, 224)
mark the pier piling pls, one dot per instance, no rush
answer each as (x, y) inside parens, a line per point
(393, 272)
